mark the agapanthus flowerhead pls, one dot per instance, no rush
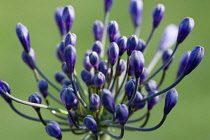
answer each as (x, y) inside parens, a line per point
(183, 62)
(121, 42)
(70, 58)
(86, 77)
(23, 36)
(121, 67)
(158, 14)
(68, 17)
(98, 28)
(94, 59)
(135, 8)
(43, 87)
(59, 77)
(99, 80)
(168, 38)
(4, 87)
(195, 58)
(59, 20)
(132, 43)
(67, 97)
(97, 47)
(129, 88)
(27, 60)
(103, 67)
(170, 100)
(53, 130)
(35, 98)
(144, 75)
(94, 102)
(185, 27)
(91, 124)
(141, 45)
(151, 86)
(167, 53)
(112, 31)
(107, 5)
(137, 104)
(153, 101)
(70, 39)
(137, 62)
(122, 113)
(113, 53)
(107, 100)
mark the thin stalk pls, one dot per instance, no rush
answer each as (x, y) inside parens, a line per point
(147, 119)
(113, 135)
(74, 122)
(138, 119)
(41, 119)
(148, 40)
(162, 79)
(36, 75)
(77, 133)
(134, 93)
(111, 74)
(137, 31)
(154, 61)
(115, 76)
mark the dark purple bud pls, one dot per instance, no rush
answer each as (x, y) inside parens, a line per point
(136, 7)
(121, 67)
(137, 104)
(67, 97)
(68, 17)
(137, 62)
(97, 47)
(167, 53)
(91, 124)
(4, 87)
(23, 36)
(151, 86)
(66, 83)
(143, 76)
(183, 62)
(107, 5)
(35, 98)
(53, 130)
(59, 20)
(153, 101)
(121, 42)
(141, 45)
(70, 39)
(122, 113)
(195, 58)
(168, 38)
(59, 51)
(43, 87)
(98, 28)
(131, 44)
(130, 71)
(129, 88)
(170, 100)
(94, 102)
(64, 68)
(107, 100)
(27, 60)
(158, 14)
(99, 80)
(113, 53)
(59, 77)
(86, 63)
(70, 58)
(103, 67)
(86, 77)
(185, 27)
(69, 119)
(112, 31)
(94, 60)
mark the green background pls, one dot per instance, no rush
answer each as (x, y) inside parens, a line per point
(189, 120)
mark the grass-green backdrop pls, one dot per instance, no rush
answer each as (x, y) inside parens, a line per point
(189, 120)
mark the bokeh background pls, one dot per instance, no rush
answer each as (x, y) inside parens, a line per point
(190, 119)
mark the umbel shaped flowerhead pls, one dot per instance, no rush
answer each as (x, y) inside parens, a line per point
(91, 124)
(35, 98)
(53, 130)
(170, 100)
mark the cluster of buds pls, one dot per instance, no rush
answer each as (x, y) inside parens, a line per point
(115, 88)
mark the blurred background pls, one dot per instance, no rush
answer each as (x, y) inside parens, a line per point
(190, 119)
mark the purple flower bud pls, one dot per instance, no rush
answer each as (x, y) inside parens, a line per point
(121, 67)
(170, 100)
(185, 27)
(107, 5)
(130, 71)
(97, 47)
(112, 31)
(113, 53)
(107, 100)
(94, 60)
(143, 76)
(86, 63)
(75, 104)
(4, 87)
(153, 101)
(67, 97)
(151, 86)
(35, 98)
(136, 7)
(86, 77)
(68, 17)
(23, 36)
(121, 42)
(167, 53)
(158, 14)
(141, 45)
(94, 102)
(137, 63)
(137, 104)
(43, 87)
(70, 39)
(131, 44)
(59, 77)
(59, 20)
(129, 88)
(98, 28)
(195, 58)
(64, 68)
(27, 60)
(69, 119)
(99, 80)
(183, 62)
(122, 113)
(103, 67)
(91, 124)
(53, 130)
(169, 37)
(70, 58)
(59, 51)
